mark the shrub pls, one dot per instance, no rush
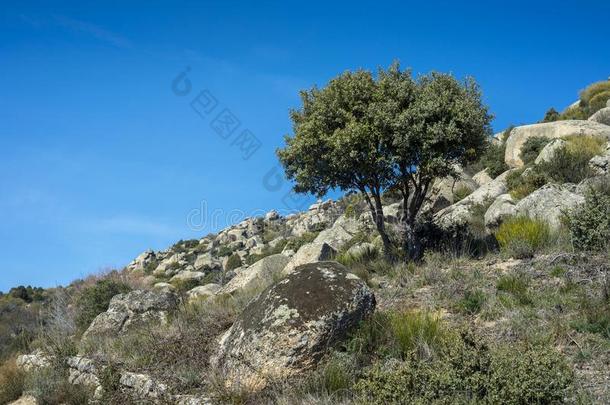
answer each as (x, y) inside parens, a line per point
(517, 285)
(596, 316)
(298, 241)
(532, 147)
(224, 251)
(594, 96)
(551, 115)
(267, 251)
(590, 224)
(472, 372)
(399, 334)
(566, 166)
(521, 237)
(50, 386)
(11, 382)
(528, 375)
(493, 158)
(472, 302)
(460, 193)
(184, 285)
(233, 262)
(95, 299)
(520, 186)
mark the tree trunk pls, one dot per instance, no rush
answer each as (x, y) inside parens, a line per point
(378, 218)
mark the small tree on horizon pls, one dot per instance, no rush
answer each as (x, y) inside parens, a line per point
(368, 134)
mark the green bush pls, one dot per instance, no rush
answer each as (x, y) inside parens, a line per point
(493, 158)
(184, 285)
(94, 300)
(517, 285)
(233, 262)
(50, 386)
(532, 147)
(566, 166)
(11, 382)
(399, 334)
(267, 251)
(471, 372)
(298, 241)
(551, 115)
(521, 237)
(472, 302)
(520, 186)
(589, 225)
(460, 193)
(595, 96)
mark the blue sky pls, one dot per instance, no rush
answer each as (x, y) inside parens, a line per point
(100, 159)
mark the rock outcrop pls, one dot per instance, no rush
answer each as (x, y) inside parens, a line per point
(548, 152)
(602, 116)
(258, 275)
(310, 253)
(461, 212)
(502, 208)
(131, 310)
(289, 326)
(550, 203)
(551, 130)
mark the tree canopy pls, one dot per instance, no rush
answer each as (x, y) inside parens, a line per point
(369, 133)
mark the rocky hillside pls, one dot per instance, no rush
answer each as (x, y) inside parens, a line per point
(510, 304)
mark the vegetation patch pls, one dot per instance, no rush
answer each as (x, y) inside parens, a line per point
(521, 236)
(94, 300)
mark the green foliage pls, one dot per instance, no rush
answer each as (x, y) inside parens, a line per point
(223, 250)
(520, 186)
(298, 241)
(460, 193)
(493, 159)
(586, 145)
(592, 99)
(528, 375)
(471, 372)
(399, 334)
(233, 262)
(28, 294)
(532, 147)
(566, 166)
(352, 135)
(11, 382)
(521, 237)
(50, 386)
(517, 285)
(551, 115)
(596, 316)
(472, 302)
(95, 299)
(589, 225)
(267, 251)
(19, 325)
(595, 96)
(184, 285)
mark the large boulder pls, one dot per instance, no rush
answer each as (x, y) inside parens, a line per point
(310, 253)
(600, 165)
(127, 311)
(289, 327)
(482, 177)
(549, 203)
(443, 191)
(548, 152)
(186, 276)
(259, 274)
(203, 291)
(551, 130)
(342, 231)
(502, 208)
(32, 361)
(461, 212)
(602, 116)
